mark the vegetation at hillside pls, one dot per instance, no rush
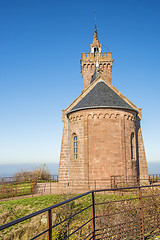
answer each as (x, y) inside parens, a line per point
(9, 190)
(23, 182)
(41, 173)
(113, 214)
(11, 210)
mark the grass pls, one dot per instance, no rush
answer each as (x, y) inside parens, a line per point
(11, 210)
(13, 190)
(33, 204)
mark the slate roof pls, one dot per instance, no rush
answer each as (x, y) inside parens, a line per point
(101, 96)
(95, 75)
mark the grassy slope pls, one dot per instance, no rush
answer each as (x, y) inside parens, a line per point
(21, 207)
(11, 210)
(9, 190)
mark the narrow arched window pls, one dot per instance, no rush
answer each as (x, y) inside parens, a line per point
(75, 146)
(132, 146)
(95, 49)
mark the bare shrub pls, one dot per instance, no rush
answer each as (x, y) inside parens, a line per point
(40, 173)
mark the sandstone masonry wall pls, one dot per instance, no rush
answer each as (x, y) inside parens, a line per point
(104, 146)
(88, 64)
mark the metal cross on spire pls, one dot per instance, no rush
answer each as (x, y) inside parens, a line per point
(95, 21)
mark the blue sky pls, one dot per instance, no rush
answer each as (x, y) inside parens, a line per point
(40, 47)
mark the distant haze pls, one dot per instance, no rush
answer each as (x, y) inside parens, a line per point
(8, 170)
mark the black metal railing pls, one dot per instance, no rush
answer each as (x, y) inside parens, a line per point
(123, 213)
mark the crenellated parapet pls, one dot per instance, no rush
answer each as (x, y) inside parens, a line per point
(94, 58)
(88, 66)
(103, 56)
(96, 61)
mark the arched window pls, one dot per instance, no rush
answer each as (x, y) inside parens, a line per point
(132, 146)
(75, 146)
(96, 49)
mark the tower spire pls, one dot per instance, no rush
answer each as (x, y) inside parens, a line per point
(95, 47)
(95, 22)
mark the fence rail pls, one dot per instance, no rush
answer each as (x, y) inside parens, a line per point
(123, 213)
(11, 187)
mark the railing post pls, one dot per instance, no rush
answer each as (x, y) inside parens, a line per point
(93, 216)
(12, 191)
(49, 225)
(32, 187)
(158, 219)
(120, 229)
(114, 183)
(141, 213)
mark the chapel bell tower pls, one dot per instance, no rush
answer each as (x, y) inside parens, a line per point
(102, 136)
(96, 61)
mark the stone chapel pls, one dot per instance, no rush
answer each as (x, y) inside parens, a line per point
(102, 135)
